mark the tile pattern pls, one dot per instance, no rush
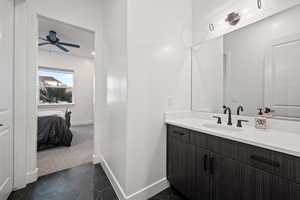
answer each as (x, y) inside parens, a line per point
(57, 159)
(168, 194)
(86, 182)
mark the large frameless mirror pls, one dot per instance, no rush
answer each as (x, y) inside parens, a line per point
(255, 67)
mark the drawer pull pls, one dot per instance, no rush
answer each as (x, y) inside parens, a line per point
(205, 162)
(211, 165)
(1, 125)
(178, 133)
(265, 161)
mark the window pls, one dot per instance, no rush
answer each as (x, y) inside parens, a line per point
(56, 86)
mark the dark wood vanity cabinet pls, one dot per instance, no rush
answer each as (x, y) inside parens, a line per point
(178, 164)
(227, 178)
(179, 158)
(205, 167)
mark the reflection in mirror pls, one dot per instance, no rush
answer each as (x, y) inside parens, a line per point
(257, 66)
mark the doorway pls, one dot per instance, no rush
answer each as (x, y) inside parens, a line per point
(65, 74)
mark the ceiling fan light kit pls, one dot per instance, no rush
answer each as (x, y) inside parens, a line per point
(52, 39)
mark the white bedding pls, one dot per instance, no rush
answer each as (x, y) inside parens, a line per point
(51, 112)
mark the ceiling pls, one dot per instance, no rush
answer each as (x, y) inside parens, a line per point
(69, 34)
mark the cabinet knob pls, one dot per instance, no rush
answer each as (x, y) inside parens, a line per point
(1, 124)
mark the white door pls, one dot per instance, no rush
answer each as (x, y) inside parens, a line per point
(6, 97)
(282, 77)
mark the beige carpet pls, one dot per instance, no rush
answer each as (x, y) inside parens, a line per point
(81, 151)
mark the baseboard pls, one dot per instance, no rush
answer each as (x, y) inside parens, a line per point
(83, 123)
(97, 159)
(32, 176)
(150, 190)
(19, 188)
(5, 188)
(142, 194)
(114, 182)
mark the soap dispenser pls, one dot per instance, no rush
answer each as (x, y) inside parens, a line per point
(268, 112)
(261, 120)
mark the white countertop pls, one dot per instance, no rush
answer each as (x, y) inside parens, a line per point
(277, 140)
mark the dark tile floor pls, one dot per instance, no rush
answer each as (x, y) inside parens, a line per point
(86, 182)
(168, 194)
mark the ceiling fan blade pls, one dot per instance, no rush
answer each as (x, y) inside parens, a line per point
(43, 39)
(62, 48)
(44, 43)
(69, 45)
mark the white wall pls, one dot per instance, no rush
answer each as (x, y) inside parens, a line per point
(215, 11)
(82, 110)
(202, 11)
(159, 37)
(160, 34)
(147, 57)
(113, 141)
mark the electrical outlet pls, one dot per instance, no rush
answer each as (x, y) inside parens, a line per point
(170, 101)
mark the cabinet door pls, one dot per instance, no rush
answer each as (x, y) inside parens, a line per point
(227, 178)
(258, 184)
(201, 185)
(179, 165)
(283, 189)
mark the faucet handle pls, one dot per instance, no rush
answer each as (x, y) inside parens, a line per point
(239, 123)
(219, 119)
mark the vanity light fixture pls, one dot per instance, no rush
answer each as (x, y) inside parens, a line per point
(211, 27)
(259, 4)
(233, 18)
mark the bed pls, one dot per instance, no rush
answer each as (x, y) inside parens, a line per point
(54, 129)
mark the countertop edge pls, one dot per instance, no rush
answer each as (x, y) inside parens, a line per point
(250, 142)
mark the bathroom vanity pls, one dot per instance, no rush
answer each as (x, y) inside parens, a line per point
(206, 163)
(248, 60)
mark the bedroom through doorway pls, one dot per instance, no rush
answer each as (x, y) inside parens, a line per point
(66, 73)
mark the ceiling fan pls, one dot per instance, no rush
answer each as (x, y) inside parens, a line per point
(52, 39)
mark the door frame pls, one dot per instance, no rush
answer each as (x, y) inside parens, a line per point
(26, 98)
(7, 109)
(25, 170)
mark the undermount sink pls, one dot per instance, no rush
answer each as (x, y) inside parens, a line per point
(223, 127)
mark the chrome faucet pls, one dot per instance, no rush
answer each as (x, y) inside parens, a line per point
(227, 109)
